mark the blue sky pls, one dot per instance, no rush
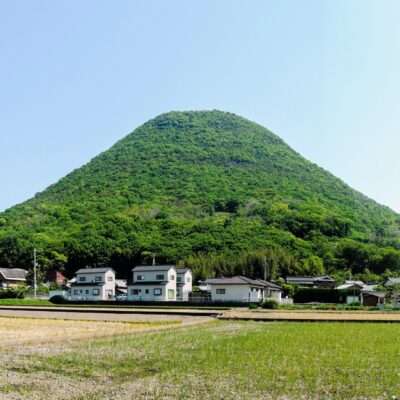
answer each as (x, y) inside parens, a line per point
(76, 76)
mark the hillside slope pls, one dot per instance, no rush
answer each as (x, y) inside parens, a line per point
(211, 189)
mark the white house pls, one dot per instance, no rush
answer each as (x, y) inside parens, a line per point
(184, 280)
(236, 289)
(272, 291)
(93, 284)
(12, 277)
(153, 283)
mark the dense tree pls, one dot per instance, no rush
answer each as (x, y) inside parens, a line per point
(210, 190)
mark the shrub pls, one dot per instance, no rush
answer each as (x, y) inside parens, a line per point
(270, 304)
(58, 299)
(253, 306)
(12, 293)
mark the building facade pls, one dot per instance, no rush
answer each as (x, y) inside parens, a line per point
(153, 283)
(184, 282)
(93, 284)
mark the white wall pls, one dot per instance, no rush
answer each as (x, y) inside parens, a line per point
(185, 285)
(146, 292)
(87, 290)
(239, 293)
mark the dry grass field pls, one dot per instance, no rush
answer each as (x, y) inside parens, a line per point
(230, 360)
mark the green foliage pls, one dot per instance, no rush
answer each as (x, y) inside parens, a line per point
(209, 190)
(270, 304)
(13, 293)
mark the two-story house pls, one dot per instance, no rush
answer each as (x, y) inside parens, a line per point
(153, 283)
(184, 281)
(93, 284)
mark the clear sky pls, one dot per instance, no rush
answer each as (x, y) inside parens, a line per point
(75, 76)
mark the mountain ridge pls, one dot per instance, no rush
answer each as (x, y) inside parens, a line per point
(218, 186)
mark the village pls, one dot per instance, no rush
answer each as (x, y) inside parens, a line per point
(152, 284)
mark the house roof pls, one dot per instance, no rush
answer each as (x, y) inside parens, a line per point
(234, 280)
(375, 294)
(309, 279)
(13, 274)
(182, 270)
(350, 284)
(93, 270)
(144, 268)
(270, 285)
(392, 281)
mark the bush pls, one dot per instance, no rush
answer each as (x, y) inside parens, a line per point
(17, 293)
(270, 304)
(58, 300)
(311, 295)
(253, 306)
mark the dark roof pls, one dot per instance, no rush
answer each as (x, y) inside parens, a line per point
(375, 294)
(270, 285)
(234, 280)
(182, 270)
(309, 279)
(93, 270)
(13, 274)
(144, 268)
(141, 283)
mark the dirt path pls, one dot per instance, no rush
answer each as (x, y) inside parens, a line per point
(111, 317)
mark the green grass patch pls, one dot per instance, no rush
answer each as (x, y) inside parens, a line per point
(24, 302)
(245, 360)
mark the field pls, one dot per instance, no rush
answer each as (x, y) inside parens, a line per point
(218, 360)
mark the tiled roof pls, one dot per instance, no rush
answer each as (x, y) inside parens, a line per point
(13, 274)
(93, 270)
(234, 280)
(144, 268)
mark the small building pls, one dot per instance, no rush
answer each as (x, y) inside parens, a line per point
(235, 289)
(319, 282)
(12, 277)
(184, 282)
(153, 283)
(372, 299)
(272, 291)
(350, 291)
(93, 284)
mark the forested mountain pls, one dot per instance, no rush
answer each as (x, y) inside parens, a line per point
(210, 190)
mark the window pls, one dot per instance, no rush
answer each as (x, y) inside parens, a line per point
(140, 277)
(221, 291)
(82, 279)
(87, 291)
(159, 277)
(135, 292)
(172, 277)
(179, 279)
(95, 292)
(188, 279)
(97, 279)
(110, 278)
(157, 292)
(75, 291)
(171, 294)
(147, 291)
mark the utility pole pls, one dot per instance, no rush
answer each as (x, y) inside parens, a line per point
(34, 273)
